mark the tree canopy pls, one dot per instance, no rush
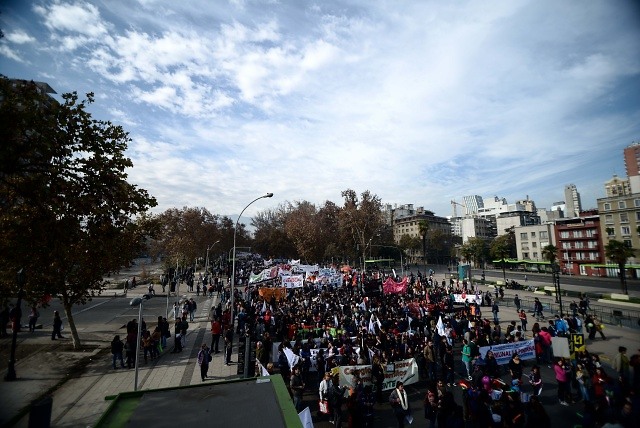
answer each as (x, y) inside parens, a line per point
(68, 215)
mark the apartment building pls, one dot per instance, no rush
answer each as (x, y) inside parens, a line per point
(580, 245)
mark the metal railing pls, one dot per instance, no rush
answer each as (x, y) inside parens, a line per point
(623, 317)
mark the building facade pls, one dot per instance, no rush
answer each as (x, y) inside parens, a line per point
(632, 166)
(530, 240)
(572, 201)
(580, 245)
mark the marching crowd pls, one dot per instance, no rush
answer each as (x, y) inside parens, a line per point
(320, 328)
(357, 324)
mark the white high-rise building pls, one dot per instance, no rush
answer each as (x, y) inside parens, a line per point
(472, 204)
(572, 200)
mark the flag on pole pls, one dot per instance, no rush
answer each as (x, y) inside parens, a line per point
(305, 418)
(292, 358)
(440, 326)
(263, 371)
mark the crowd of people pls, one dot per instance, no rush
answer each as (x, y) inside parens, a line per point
(319, 328)
(355, 324)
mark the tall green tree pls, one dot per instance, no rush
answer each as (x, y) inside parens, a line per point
(619, 252)
(501, 249)
(68, 215)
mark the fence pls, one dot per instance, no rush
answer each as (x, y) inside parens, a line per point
(623, 317)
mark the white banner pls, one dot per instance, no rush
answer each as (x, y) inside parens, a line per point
(293, 281)
(525, 349)
(406, 371)
(471, 298)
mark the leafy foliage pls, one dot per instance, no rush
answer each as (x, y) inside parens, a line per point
(67, 214)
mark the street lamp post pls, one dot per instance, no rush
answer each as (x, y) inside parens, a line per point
(206, 265)
(233, 260)
(11, 369)
(556, 283)
(137, 301)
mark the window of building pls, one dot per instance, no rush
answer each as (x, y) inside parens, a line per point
(564, 234)
(608, 218)
(622, 204)
(534, 245)
(544, 235)
(625, 230)
(577, 234)
(523, 236)
(624, 217)
(525, 255)
(590, 233)
(636, 203)
(627, 242)
(535, 256)
(637, 215)
(566, 245)
(579, 244)
(607, 206)
(592, 244)
(533, 234)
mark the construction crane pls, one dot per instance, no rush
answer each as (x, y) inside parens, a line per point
(454, 205)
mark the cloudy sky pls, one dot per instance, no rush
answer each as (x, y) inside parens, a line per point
(419, 102)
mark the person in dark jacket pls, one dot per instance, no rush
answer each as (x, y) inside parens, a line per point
(57, 326)
(116, 351)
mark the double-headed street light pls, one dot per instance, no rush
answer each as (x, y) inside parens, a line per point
(233, 260)
(206, 265)
(137, 301)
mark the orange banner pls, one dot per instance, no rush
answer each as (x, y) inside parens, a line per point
(268, 293)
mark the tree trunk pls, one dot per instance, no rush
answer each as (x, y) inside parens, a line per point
(623, 278)
(70, 321)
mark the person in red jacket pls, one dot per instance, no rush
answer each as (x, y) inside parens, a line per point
(216, 332)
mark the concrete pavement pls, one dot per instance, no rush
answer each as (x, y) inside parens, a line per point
(79, 382)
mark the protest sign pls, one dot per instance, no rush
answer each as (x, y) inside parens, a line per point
(525, 349)
(405, 371)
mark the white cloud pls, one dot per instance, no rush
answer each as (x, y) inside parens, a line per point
(419, 102)
(19, 37)
(78, 17)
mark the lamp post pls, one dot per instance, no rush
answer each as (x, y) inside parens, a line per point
(11, 369)
(233, 260)
(206, 265)
(137, 301)
(556, 283)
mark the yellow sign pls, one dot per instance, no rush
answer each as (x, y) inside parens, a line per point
(576, 344)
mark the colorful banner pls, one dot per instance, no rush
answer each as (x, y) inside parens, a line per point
(525, 349)
(405, 371)
(293, 281)
(390, 286)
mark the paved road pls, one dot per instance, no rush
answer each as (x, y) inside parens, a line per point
(80, 401)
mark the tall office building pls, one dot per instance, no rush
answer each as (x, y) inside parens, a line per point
(472, 204)
(632, 165)
(572, 201)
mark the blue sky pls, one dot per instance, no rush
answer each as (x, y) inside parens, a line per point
(417, 101)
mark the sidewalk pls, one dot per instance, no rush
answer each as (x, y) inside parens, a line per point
(80, 401)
